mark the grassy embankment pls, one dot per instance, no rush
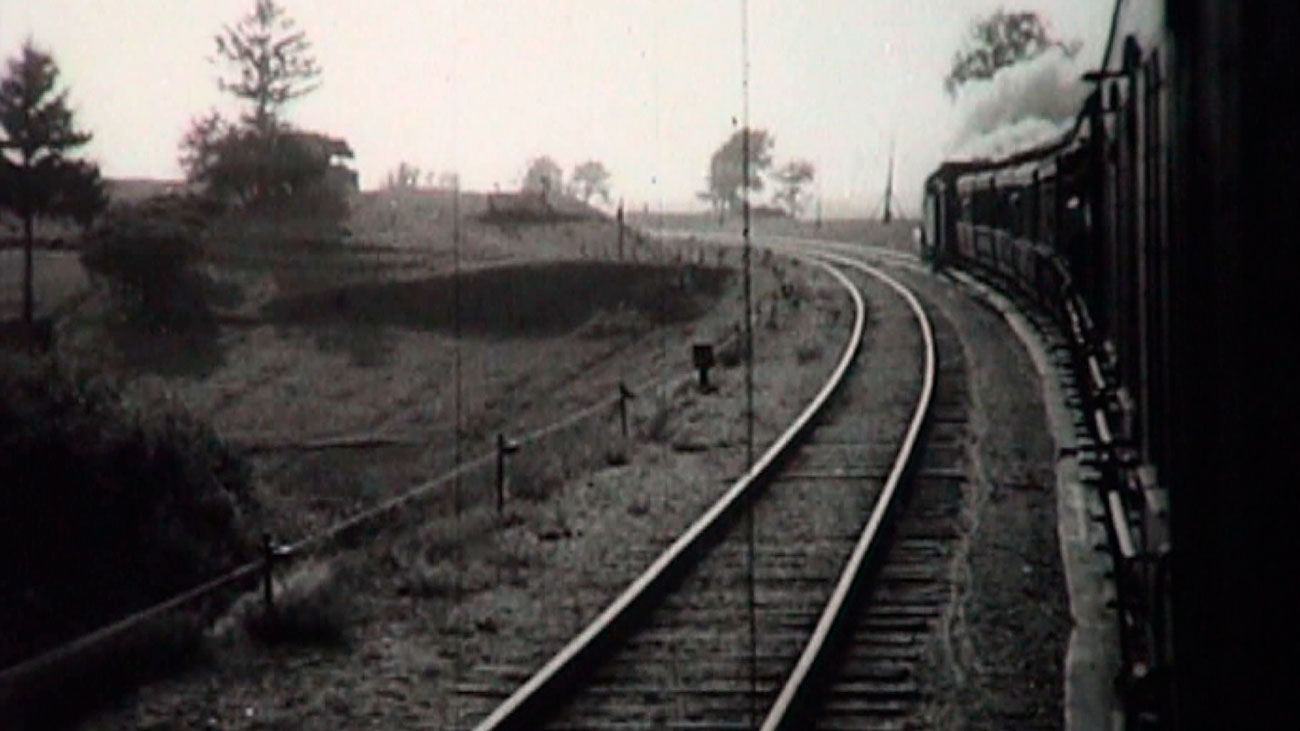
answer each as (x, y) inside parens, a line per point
(332, 364)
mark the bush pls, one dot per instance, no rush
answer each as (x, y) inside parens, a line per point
(149, 253)
(431, 579)
(808, 350)
(535, 479)
(617, 452)
(732, 351)
(104, 510)
(654, 424)
(312, 606)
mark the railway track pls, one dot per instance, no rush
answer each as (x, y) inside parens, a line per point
(865, 666)
(824, 567)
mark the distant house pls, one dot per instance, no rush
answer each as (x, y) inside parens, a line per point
(325, 155)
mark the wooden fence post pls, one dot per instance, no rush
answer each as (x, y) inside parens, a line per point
(624, 395)
(268, 555)
(504, 447)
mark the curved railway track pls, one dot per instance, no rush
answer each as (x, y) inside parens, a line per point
(851, 516)
(864, 666)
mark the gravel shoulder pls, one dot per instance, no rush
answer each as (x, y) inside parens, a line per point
(1002, 664)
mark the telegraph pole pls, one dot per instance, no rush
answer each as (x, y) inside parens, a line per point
(749, 362)
(889, 183)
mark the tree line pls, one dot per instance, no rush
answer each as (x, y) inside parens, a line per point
(258, 162)
(542, 174)
(261, 162)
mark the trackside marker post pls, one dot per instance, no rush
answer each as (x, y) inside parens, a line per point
(620, 230)
(624, 395)
(268, 556)
(702, 356)
(504, 447)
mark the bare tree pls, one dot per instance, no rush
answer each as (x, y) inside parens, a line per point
(403, 177)
(272, 62)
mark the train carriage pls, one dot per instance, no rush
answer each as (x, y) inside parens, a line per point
(1147, 236)
(1075, 226)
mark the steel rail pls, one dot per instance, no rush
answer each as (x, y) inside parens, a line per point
(794, 701)
(542, 692)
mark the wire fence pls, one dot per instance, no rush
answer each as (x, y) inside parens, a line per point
(521, 467)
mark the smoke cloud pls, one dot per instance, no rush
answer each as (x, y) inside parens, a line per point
(1020, 106)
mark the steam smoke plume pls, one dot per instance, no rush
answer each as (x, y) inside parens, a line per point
(1020, 106)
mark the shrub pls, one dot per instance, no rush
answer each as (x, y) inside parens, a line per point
(432, 579)
(149, 254)
(732, 351)
(104, 510)
(612, 323)
(312, 605)
(808, 350)
(535, 479)
(517, 548)
(654, 425)
(617, 452)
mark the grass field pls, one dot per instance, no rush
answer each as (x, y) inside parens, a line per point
(57, 277)
(349, 362)
(434, 590)
(895, 234)
(349, 332)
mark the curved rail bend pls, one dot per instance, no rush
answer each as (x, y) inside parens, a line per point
(793, 702)
(540, 694)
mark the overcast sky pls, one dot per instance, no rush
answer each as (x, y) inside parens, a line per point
(649, 87)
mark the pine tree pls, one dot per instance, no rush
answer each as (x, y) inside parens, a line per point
(272, 62)
(36, 179)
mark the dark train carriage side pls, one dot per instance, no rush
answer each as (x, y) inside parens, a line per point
(1232, 361)
(1150, 231)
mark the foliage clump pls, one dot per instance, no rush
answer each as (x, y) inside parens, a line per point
(588, 179)
(313, 606)
(149, 254)
(37, 177)
(543, 176)
(728, 177)
(260, 162)
(105, 509)
(792, 177)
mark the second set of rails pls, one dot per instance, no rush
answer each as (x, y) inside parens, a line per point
(808, 595)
